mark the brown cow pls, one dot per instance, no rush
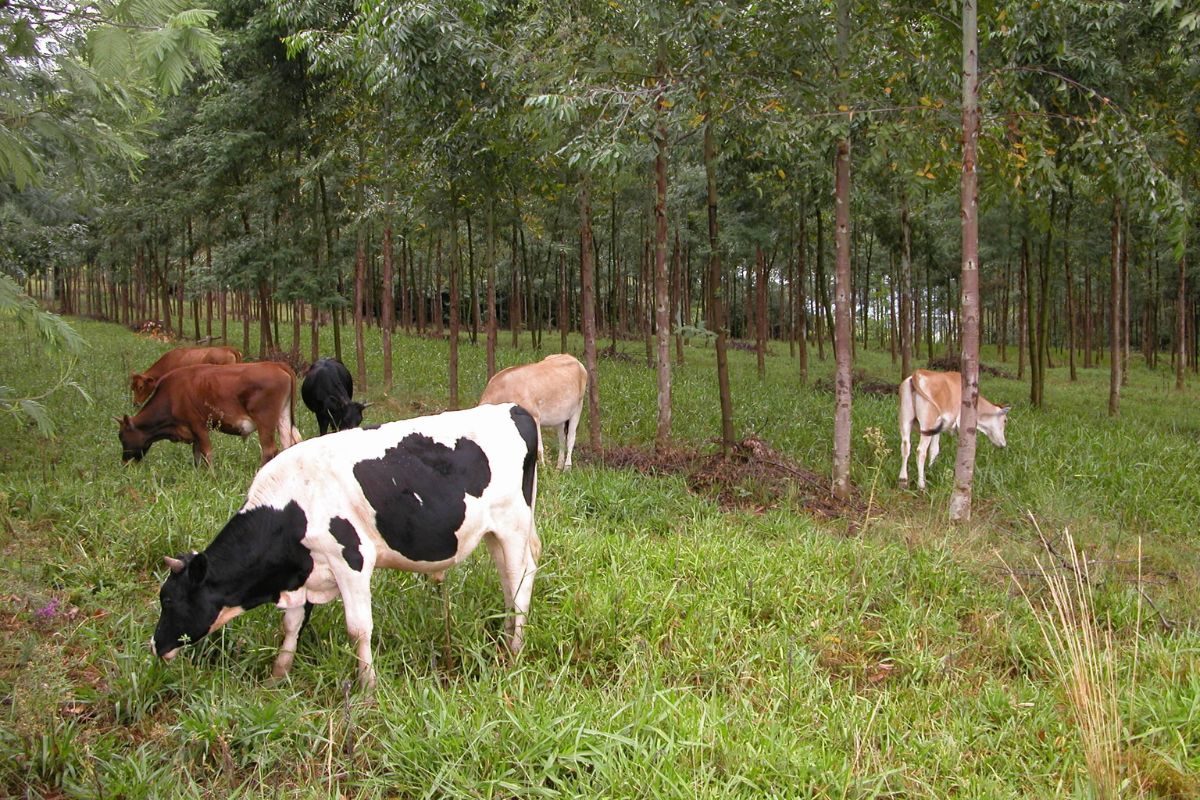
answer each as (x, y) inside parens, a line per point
(143, 383)
(933, 400)
(551, 390)
(232, 398)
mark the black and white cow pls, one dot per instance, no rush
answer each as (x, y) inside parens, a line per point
(416, 495)
(326, 390)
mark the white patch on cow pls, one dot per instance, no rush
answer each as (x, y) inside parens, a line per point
(227, 613)
(419, 500)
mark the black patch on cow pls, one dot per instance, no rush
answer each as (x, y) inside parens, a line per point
(347, 537)
(263, 548)
(418, 490)
(529, 432)
(257, 556)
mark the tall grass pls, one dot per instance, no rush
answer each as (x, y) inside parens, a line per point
(674, 649)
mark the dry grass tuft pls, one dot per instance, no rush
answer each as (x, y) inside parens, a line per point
(1085, 660)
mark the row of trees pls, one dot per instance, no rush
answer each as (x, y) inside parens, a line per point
(641, 168)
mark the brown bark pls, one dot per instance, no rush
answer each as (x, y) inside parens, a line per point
(716, 293)
(587, 299)
(964, 465)
(906, 326)
(662, 321)
(455, 278)
(842, 310)
(389, 301)
(1114, 328)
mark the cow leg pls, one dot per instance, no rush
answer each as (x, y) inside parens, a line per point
(356, 599)
(266, 441)
(202, 448)
(293, 622)
(571, 429)
(922, 450)
(905, 449)
(935, 447)
(517, 566)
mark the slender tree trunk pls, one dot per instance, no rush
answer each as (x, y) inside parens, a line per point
(820, 295)
(662, 319)
(906, 327)
(490, 255)
(1181, 309)
(1125, 328)
(760, 314)
(564, 313)
(801, 298)
(964, 465)
(389, 297)
(716, 292)
(587, 291)
(360, 282)
(1066, 237)
(455, 278)
(842, 299)
(1114, 328)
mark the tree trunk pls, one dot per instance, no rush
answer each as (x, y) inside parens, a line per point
(964, 465)
(716, 292)
(801, 297)
(389, 297)
(490, 255)
(760, 313)
(842, 297)
(1114, 328)
(1066, 237)
(1181, 308)
(360, 283)
(662, 320)
(906, 327)
(587, 299)
(455, 277)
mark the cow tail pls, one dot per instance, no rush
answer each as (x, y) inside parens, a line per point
(293, 431)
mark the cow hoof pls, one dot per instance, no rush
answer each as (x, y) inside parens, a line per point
(904, 483)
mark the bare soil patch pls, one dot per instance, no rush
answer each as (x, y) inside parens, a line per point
(753, 477)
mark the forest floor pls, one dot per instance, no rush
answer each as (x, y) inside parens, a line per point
(701, 627)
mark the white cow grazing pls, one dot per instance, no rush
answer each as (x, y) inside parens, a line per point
(552, 390)
(933, 400)
(415, 495)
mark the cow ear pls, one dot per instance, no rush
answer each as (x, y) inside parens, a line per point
(176, 565)
(197, 568)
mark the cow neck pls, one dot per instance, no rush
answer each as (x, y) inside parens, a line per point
(158, 424)
(258, 555)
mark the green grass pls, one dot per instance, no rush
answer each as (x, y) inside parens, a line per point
(674, 649)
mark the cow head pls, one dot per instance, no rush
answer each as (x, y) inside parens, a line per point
(992, 424)
(190, 607)
(352, 415)
(142, 386)
(134, 441)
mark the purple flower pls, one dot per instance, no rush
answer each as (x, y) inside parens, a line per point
(47, 611)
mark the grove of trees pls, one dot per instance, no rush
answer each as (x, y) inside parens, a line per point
(790, 171)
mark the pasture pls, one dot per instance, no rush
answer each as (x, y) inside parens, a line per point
(675, 648)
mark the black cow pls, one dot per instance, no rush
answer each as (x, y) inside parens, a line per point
(327, 390)
(416, 495)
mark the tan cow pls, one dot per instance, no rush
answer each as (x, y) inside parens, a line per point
(551, 390)
(933, 400)
(142, 383)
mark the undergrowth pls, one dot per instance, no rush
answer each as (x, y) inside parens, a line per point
(677, 646)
